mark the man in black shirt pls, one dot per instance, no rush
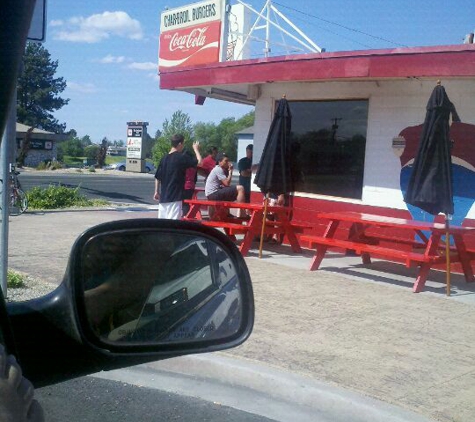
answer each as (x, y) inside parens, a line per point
(170, 178)
(245, 172)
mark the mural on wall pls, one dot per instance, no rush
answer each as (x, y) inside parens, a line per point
(463, 167)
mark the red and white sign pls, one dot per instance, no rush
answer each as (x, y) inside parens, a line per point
(191, 35)
(134, 148)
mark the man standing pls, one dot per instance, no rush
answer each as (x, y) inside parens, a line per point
(245, 172)
(170, 178)
(209, 162)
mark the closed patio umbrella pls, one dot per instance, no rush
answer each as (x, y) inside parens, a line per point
(274, 174)
(430, 183)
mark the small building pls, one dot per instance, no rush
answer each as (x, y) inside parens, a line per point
(116, 151)
(356, 117)
(244, 138)
(43, 144)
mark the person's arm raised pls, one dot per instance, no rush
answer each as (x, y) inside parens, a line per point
(196, 148)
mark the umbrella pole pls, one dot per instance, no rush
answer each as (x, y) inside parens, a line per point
(447, 254)
(261, 241)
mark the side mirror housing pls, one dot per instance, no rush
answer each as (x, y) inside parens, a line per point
(135, 291)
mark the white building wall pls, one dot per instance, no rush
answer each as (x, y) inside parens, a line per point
(393, 106)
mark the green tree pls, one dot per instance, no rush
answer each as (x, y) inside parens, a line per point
(38, 90)
(71, 147)
(180, 122)
(147, 145)
(86, 141)
(207, 135)
(223, 135)
(102, 152)
(247, 120)
(91, 151)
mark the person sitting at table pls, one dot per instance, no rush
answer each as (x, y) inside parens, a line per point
(208, 163)
(218, 185)
(274, 200)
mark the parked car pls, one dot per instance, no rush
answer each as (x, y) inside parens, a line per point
(121, 166)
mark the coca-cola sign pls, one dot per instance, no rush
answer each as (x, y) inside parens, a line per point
(196, 38)
(190, 46)
(191, 34)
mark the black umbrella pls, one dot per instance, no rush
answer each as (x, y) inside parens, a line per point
(430, 184)
(274, 174)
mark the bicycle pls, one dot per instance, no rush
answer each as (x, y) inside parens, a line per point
(18, 200)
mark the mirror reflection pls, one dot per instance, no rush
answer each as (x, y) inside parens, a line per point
(149, 286)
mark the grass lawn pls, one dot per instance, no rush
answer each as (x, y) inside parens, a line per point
(73, 161)
(79, 161)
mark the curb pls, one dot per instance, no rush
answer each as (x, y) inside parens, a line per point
(115, 207)
(259, 389)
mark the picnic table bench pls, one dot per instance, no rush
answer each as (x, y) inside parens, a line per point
(425, 253)
(250, 227)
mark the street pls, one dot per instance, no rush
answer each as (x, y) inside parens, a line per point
(114, 187)
(114, 401)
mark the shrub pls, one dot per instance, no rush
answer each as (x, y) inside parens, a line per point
(54, 165)
(15, 280)
(92, 169)
(54, 197)
(49, 165)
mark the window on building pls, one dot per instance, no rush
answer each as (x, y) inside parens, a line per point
(329, 139)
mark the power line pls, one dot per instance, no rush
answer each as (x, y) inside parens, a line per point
(340, 25)
(334, 33)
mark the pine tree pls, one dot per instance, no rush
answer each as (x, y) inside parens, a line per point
(38, 90)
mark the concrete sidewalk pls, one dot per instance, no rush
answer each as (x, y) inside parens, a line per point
(352, 326)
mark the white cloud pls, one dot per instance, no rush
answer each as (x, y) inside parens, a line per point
(56, 22)
(112, 59)
(98, 27)
(143, 66)
(87, 88)
(154, 76)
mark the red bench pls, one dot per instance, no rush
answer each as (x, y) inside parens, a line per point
(368, 232)
(250, 227)
(365, 250)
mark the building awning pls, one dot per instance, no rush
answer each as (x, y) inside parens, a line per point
(240, 81)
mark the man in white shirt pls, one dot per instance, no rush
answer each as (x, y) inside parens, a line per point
(218, 184)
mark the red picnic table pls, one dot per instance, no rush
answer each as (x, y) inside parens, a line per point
(426, 252)
(250, 227)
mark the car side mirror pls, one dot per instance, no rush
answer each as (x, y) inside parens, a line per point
(135, 291)
(146, 285)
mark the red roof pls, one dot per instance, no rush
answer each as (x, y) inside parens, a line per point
(421, 62)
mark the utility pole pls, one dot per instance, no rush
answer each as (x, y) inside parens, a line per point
(6, 153)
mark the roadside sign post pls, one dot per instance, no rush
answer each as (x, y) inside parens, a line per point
(136, 136)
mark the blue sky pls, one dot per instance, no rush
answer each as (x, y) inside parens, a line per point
(107, 51)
